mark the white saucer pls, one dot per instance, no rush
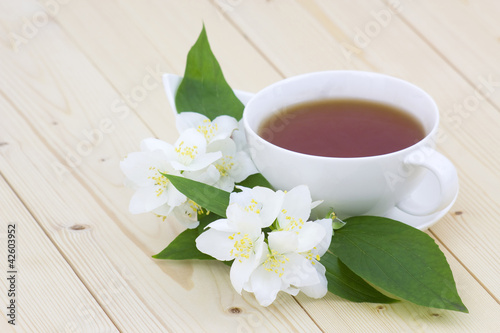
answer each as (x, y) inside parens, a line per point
(426, 192)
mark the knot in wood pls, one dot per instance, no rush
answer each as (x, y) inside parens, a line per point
(79, 227)
(235, 310)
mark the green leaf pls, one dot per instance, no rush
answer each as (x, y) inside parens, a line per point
(345, 283)
(204, 88)
(256, 180)
(183, 247)
(400, 259)
(208, 197)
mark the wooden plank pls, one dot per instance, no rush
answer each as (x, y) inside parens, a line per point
(307, 36)
(5, 326)
(466, 34)
(48, 295)
(67, 223)
(89, 179)
(159, 35)
(160, 21)
(58, 97)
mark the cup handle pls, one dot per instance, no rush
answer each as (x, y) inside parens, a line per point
(445, 175)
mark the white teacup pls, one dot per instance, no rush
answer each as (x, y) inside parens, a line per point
(359, 185)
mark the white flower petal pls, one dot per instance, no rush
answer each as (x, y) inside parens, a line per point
(241, 269)
(225, 183)
(210, 175)
(237, 213)
(298, 201)
(272, 202)
(265, 201)
(202, 161)
(132, 167)
(189, 145)
(243, 167)
(174, 196)
(163, 210)
(319, 289)
(310, 236)
(296, 208)
(299, 271)
(220, 128)
(227, 147)
(145, 200)
(216, 244)
(187, 120)
(283, 241)
(292, 291)
(239, 137)
(237, 165)
(222, 225)
(137, 166)
(316, 203)
(153, 144)
(244, 221)
(323, 246)
(186, 215)
(265, 285)
(191, 137)
(225, 126)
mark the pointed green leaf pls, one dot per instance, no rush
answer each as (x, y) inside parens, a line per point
(204, 88)
(208, 197)
(183, 247)
(345, 283)
(255, 180)
(400, 259)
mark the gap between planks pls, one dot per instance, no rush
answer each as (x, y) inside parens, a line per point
(103, 75)
(41, 224)
(307, 312)
(464, 266)
(85, 185)
(443, 57)
(488, 100)
(250, 42)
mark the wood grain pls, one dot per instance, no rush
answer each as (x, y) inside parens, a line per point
(466, 35)
(83, 89)
(163, 46)
(111, 250)
(49, 295)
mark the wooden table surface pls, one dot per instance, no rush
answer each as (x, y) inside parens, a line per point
(80, 88)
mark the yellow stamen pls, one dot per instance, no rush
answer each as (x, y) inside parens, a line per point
(208, 129)
(274, 261)
(224, 165)
(186, 151)
(160, 180)
(311, 256)
(254, 206)
(243, 246)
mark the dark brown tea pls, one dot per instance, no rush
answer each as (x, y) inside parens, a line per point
(342, 128)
